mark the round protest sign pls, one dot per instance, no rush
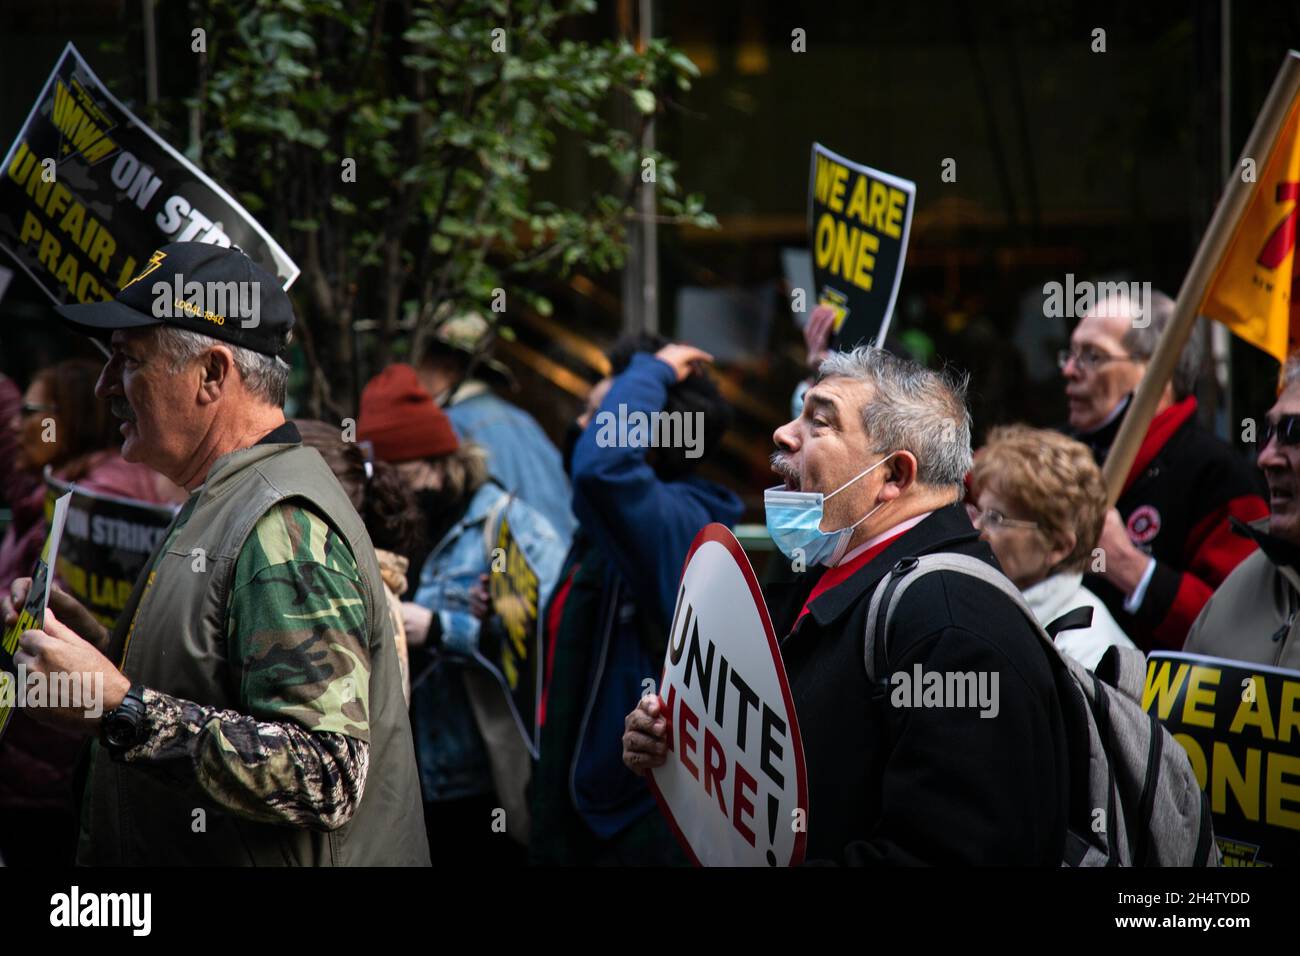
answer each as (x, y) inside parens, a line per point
(734, 787)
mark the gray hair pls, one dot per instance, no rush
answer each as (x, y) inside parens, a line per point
(911, 408)
(1141, 343)
(265, 376)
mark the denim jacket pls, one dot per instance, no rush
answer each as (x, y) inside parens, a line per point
(450, 751)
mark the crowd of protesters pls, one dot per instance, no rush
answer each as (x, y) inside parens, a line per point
(379, 724)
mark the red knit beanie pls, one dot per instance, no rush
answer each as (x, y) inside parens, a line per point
(401, 420)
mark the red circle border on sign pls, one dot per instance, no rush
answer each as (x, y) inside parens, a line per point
(721, 534)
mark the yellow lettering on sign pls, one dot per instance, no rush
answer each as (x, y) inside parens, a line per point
(1256, 714)
(845, 251)
(846, 245)
(1275, 814)
(73, 578)
(1198, 695)
(110, 592)
(1224, 774)
(822, 181)
(73, 116)
(1288, 715)
(514, 601)
(865, 263)
(876, 214)
(1159, 688)
(858, 201)
(838, 179)
(894, 218)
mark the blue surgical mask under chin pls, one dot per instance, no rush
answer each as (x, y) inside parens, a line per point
(794, 520)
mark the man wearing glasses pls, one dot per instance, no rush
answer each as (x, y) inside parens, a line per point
(1252, 616)
(1168, 544)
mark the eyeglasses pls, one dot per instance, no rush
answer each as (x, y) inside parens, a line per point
(995, 520)
(1286, 428)
(29, 409)
(1089, 360)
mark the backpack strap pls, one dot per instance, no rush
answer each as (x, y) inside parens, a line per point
(884, 602)
(1146, 803)
(1099, 704)
(874, 651)
(1079, 617)
(890, 590)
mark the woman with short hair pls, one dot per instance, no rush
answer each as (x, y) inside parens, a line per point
(1040, 502)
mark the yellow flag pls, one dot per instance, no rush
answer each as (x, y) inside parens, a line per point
(1253, 291)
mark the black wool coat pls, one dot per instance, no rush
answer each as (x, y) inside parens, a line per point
(889, 784)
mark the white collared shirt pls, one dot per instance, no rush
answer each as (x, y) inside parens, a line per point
(888, 533)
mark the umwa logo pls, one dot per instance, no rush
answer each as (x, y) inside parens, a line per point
(83, 126)
(74, 908)
(1076, 299)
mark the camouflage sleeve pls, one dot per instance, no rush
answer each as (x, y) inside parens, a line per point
(297, 629)
(297, 749)
(271, 772)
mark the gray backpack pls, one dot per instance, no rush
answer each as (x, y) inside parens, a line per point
(1137, 803)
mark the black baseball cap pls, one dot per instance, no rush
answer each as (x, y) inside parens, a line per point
(212, 290)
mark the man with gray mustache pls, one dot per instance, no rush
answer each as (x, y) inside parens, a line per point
(251, 687)
(873, 470)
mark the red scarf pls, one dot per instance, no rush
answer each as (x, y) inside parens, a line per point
(1158, 434)
(842, 572)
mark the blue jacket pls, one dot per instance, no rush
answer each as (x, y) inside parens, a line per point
(520, 456)
(452, 758)
(643, 526)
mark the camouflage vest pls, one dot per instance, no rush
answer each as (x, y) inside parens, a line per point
(177, 645)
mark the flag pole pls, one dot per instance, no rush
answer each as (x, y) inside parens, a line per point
(1214, 244)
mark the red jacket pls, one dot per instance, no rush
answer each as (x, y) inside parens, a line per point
(1183, 487)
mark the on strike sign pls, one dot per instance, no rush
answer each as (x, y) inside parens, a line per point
(87, 191)
(734, 788)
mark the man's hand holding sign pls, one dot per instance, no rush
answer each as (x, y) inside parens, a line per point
(55, 650)
(721, 736)
(46, 656)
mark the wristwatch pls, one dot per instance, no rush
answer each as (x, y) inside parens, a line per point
(123, 727)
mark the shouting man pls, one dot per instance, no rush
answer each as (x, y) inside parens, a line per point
(873, 470)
